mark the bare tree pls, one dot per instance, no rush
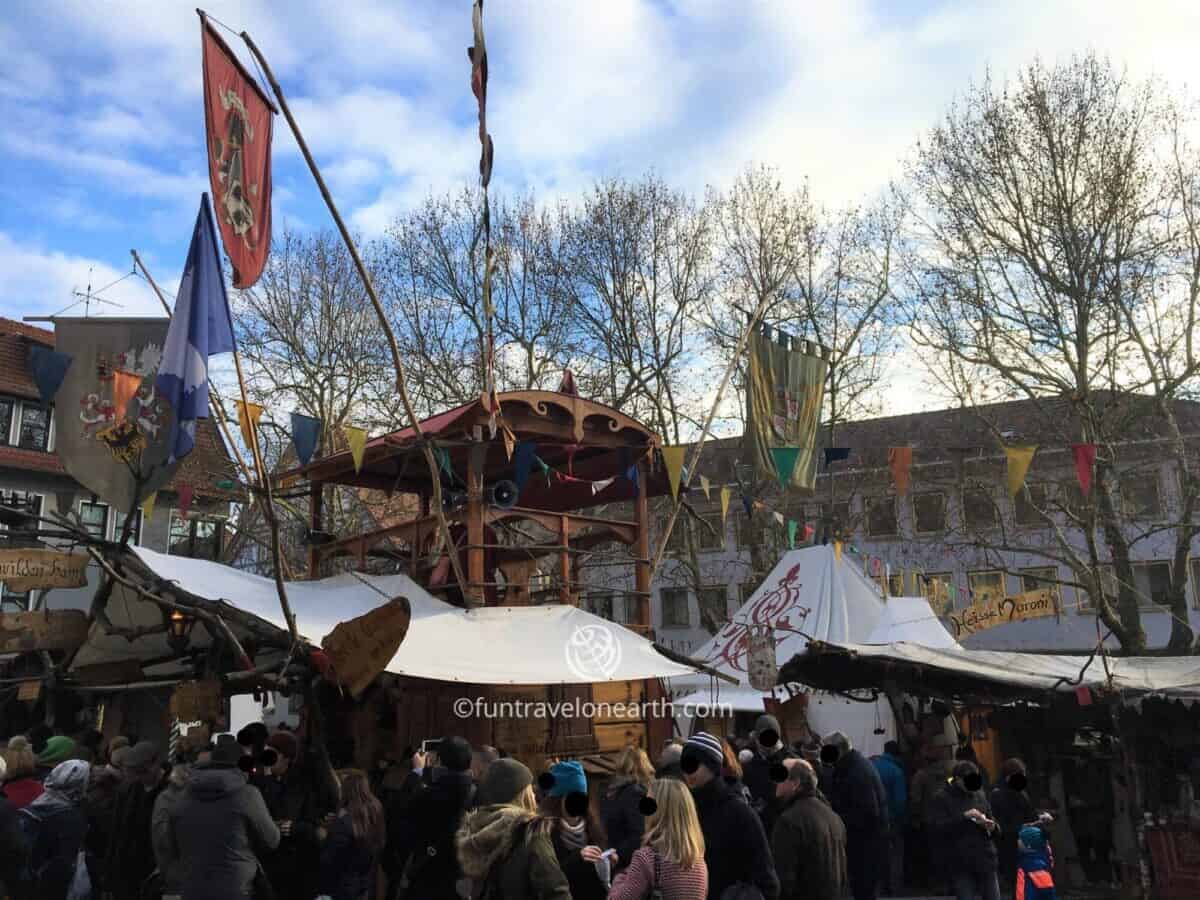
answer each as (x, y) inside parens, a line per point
(1054, 259)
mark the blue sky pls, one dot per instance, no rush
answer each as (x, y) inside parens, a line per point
(102, 147)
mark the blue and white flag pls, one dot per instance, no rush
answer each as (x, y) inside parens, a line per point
(200, 327)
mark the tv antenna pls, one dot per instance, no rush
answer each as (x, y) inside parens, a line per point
(88, 297)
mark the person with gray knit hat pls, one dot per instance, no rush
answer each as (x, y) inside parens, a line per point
(769, 750)
(736, 850)
(504, 847)
(129, 860)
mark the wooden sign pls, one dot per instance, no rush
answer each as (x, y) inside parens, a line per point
(29, 691)
(990, 613)
(197, 701)
(59, 629)
(361, 648)
(122, 671)
(25, 569)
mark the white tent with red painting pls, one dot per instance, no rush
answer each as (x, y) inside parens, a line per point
(819, 594)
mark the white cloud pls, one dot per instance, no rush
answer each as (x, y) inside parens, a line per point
(41, 282)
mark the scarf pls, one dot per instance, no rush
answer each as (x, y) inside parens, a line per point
(574, 837)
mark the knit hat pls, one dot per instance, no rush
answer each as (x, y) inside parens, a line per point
(285, 743)
(705, 748)
(58, 748)
(568, 779)
(141, 756)
(1032, 838)
(455, 754)
(504, 781)
(765, 722)
(225, 751)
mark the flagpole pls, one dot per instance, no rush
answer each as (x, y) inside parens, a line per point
(401, 388)
(712, 413)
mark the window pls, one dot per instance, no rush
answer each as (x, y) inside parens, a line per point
(896, 585)
(631, 603)
(881, 516)
(135, 533)
(601, 605)
(979, 509)
(746, 531)
(714, 605)
(201, 537)
(746, 591)
(95, 519)
(986, 587)
(35, 427)
(1042, 578)
(1151, 583)
(1029, 500)
(675, 542)
(675, 608)
(6, 418)
(840, 513)
(31, 503)
(1139, 495)
(710, 533)
(937, 590)
(929, 512)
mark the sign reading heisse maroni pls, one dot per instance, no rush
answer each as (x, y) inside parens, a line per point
(978, 616)
(25, 569)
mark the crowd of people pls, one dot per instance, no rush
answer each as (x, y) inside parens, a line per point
(259, 817)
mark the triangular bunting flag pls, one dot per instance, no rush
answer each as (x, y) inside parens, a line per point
(598, 486)
(49, 368)
(523, 462)
(900, 461)
(673, 459)
(726, 494)
(186, 492)
(148, 506)
(706, 485)
(837, 550)
(567, 385)
(778, 516)
(442, 455)
(248, 416)
(1019, 458)
(792, 526)
(785, 462)
(1085, 460)
(306, 436)
(510, 441)
(747, 505)
(836, 454)
(124, 386)
(808, 532)
(357, 439)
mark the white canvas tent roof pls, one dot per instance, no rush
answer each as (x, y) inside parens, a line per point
(551, 644)
(809, 594)
(911, 619)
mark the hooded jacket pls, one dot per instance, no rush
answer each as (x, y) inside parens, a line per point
(858, 796)
(54, 826)
(166, 853)
(217, 825)
(622, 817)
(508, 852)
(426, 835)
(963, 845)
(735, 845)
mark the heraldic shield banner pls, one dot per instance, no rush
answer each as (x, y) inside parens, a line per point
(109, 421)
(784, 392)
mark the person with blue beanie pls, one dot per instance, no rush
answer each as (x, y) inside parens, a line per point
(577, 826)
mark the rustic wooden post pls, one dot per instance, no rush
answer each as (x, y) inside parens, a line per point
(315, 516)
(641, 566)
(476, 576)
(564, 559)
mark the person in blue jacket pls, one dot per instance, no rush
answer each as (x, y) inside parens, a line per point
(895, 784)
(1035, 865)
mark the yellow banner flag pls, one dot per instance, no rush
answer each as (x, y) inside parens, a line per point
(707, 485)
(673, 457)
(726, 494)
(248, 416)
(357, 439)
(1019, 458)
(148, 507)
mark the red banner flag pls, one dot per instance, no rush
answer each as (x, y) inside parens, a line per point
(238, 118)
(900, 461)
(1085, 459)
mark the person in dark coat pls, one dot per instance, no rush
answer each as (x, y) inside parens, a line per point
(668, 761)
(298, 807)
(1012, 809)
(736, 849)
(130, 856)
(859, 798)
(895, 784)
(769, 749)
(425, 838)
(620, 812)
(964, 834)
(54, 826)
(12, 844)
(99, 807)
(166, 854)
(809, 839)
(219, 826)
(504, 847)
(353, 843)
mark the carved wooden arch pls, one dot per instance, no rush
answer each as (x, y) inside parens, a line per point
(580, 411)
(625, 532)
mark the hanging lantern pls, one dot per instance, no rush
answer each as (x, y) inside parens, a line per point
(179, 630)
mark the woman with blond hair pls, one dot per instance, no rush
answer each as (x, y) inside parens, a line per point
(619, 809)
(671, 859)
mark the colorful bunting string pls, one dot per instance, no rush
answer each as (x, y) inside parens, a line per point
(49, 368)
(1019, 459)
(785, 459)
(148, 506)
(306, 436)
(792, 525)
(186, 492)
(836, 454)
(124, 386)
(248, 415)
(673, 459)
(726, 495)
(706, 485)
(1085, 461)
(357, 439)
